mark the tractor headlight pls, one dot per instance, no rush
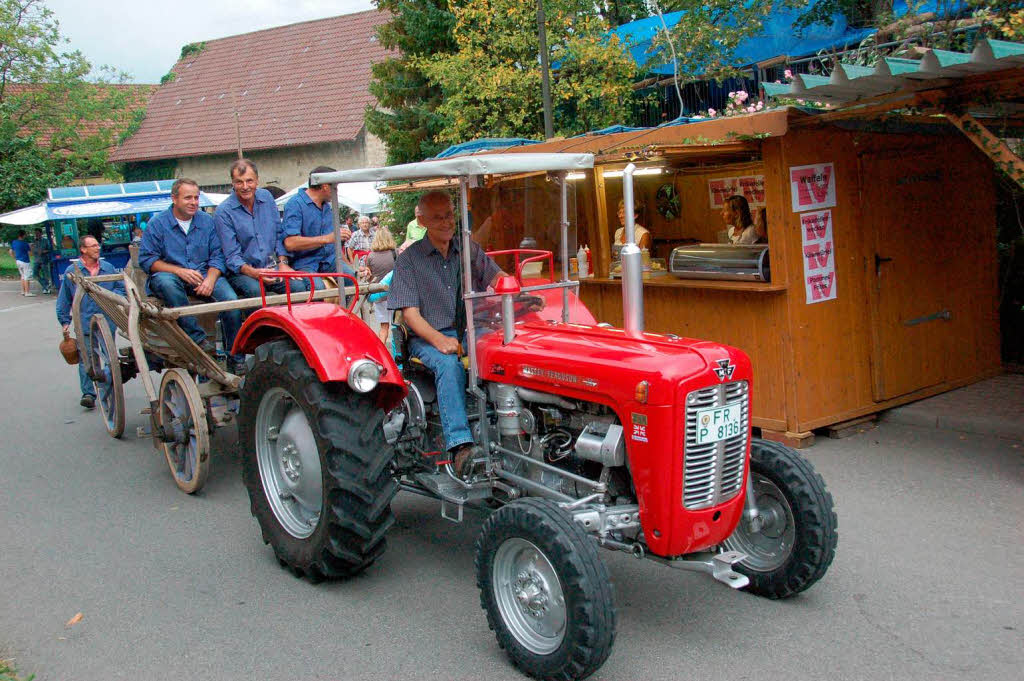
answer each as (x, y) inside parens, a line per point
(363, 375)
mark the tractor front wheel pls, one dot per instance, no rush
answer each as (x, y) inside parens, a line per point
(546, 592)
(797, 539)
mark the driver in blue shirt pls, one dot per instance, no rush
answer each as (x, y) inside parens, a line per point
(181, 253)
(250, 234)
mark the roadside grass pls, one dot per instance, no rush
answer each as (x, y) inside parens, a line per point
(7, 269)
(9, 673)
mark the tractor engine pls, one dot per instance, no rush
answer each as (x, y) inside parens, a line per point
(583, 438)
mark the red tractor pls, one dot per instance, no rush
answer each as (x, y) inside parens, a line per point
(591, 436)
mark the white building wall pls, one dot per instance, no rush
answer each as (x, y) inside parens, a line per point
(289, 167)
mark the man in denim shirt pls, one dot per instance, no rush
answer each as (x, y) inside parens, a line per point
(181, 252)
(89, 264)
(425, 287)
(308, 229)
(250, 234)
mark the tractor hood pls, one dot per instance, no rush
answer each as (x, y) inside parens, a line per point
(603, 364)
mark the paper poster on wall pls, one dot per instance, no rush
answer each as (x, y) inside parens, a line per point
(812, 187)
(819, 256)
(751, 187)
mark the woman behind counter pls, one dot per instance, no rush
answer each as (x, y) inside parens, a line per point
(738, 221)
(643, 237)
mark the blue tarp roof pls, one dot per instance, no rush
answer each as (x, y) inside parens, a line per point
(97, 201)
(484, 144)
(778, 38)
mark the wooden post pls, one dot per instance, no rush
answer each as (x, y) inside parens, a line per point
(992, 146)
(601, 249)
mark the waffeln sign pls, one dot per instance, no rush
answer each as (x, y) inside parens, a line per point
(812, 187)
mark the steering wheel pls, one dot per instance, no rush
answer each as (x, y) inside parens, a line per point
(487, 312)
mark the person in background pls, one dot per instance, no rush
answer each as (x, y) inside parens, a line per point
(249, 228)
(361, 240)
(41, 252)
(379, 263)
(137, 235)
(761, 226)
(88, 264)
(181, 253)
(738, 221)
(414, 231)
(308, 230)
(21, 251)
(642, 236)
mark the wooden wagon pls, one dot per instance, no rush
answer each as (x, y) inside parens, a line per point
(195, 393)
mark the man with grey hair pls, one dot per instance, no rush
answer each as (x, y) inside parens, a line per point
(426, 286)
(249, 228)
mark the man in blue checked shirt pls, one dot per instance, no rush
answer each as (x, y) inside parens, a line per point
(308, 229)
(250, 234)
(181, 253)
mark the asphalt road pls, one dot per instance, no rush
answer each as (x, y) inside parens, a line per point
(926, 583)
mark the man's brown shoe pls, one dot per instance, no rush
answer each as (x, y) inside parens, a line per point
(462, 459)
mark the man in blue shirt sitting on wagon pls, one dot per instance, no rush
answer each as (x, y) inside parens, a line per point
(308, 229)
(249, 227)
(181, 252)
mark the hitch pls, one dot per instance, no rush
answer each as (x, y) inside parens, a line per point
(718, 565)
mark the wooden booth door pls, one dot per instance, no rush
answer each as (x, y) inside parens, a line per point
(915, 206)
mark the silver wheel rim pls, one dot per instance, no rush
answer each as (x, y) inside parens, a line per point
(289, 463)
(769, 549)
(180, 424)
(529, 596)
(104, 387)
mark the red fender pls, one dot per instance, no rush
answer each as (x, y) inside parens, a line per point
(330, 338)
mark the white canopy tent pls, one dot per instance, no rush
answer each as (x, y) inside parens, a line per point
(32, 215)
(361, 197)
(461, 166)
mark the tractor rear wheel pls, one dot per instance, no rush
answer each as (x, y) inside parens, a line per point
(316, 466)
(546, 592)
(797, 540)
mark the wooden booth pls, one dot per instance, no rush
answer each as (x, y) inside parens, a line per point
(883, 278)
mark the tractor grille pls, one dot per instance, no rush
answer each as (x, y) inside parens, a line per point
(713, 472)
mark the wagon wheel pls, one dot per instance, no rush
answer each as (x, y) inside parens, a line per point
(106, 369)
(185, 431)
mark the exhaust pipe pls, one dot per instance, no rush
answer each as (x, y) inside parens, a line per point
(632, 264)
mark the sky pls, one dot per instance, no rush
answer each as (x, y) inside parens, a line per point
(144, 39)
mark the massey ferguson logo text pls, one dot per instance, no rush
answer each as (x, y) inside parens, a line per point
(724, 369)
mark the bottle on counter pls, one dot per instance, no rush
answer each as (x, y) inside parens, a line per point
(581, 258)
(590, 263)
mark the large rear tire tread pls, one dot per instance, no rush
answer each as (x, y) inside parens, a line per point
(814, 515)
(587, 588)
(357, 484)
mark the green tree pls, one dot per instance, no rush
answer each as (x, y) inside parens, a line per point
(72, 113)
(405, 117)
(492, 83)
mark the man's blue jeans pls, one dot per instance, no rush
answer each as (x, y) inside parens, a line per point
(450, 381)
(84, 382)
(174, 292)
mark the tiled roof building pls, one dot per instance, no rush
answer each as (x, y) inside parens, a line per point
(292, 97)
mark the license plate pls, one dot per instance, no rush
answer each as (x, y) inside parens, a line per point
(719, 423)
